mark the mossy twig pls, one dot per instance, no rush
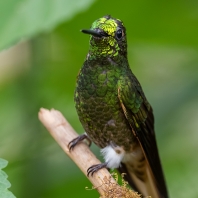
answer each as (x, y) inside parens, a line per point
(63, 133)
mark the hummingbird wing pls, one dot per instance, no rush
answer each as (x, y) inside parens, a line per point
(139, 114)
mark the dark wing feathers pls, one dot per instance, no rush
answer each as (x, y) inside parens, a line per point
(140, 116)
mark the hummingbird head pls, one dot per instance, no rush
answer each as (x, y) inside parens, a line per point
(108, 38)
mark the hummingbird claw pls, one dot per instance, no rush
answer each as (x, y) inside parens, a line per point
(80, 138)
(91, 170)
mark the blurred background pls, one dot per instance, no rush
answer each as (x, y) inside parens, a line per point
(42, 51)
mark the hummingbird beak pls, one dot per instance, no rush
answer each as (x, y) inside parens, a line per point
(95, 33)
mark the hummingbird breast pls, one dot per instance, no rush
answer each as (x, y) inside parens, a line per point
(98, 106)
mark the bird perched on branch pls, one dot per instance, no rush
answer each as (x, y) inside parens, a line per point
(114, 111)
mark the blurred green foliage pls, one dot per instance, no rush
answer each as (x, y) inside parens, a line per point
(4, 183)
(42, 69)
(25, 18)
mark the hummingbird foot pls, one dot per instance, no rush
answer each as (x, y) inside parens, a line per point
(91, 170)
(77, 140)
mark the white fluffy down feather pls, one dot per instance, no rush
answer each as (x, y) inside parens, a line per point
(113, 156)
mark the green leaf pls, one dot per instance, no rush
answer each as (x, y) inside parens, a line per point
(4, 183)
(25, 18)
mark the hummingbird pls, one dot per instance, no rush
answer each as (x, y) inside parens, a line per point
(114, 111)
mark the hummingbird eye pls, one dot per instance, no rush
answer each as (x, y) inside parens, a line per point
(119, 34)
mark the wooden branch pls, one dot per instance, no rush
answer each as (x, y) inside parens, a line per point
(63, 133)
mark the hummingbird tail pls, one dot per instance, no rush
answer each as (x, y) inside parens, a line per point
(143, 184)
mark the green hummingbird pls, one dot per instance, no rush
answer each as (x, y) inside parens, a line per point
(114, 111)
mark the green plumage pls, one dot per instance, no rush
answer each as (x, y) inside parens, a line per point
(113, 108)
(98, 105)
